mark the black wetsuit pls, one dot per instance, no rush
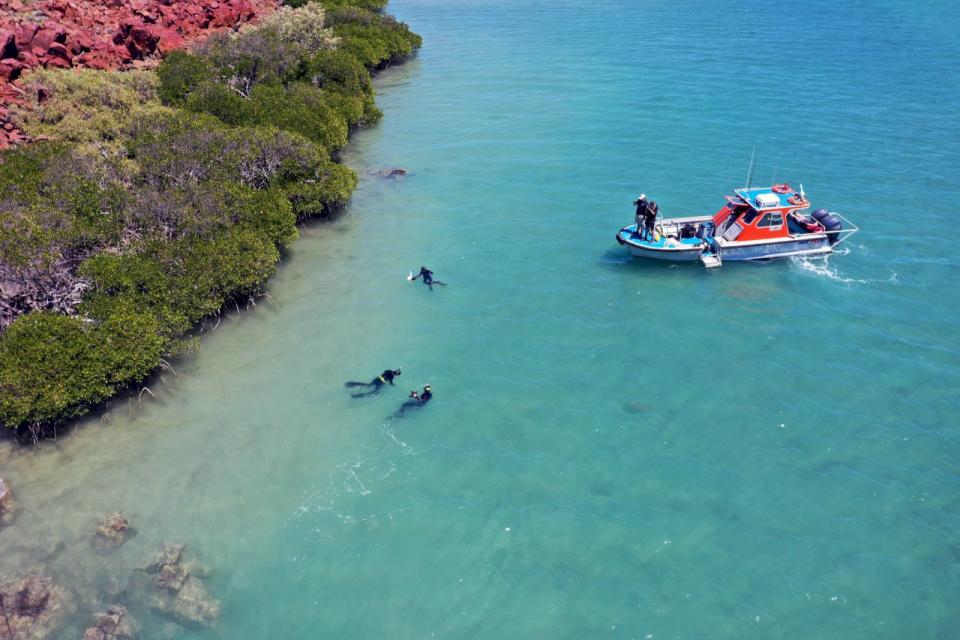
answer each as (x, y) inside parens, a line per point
(414, 403)
(377, 383)
(427, 276)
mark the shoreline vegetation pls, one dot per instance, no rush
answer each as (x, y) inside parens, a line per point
(156, 198)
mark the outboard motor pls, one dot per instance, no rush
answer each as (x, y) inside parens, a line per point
(820, 214)
(833, 224)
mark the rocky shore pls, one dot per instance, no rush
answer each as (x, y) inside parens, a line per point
(103, 34)
(161, 196)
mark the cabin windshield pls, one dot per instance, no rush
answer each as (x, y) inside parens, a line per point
(772, 221)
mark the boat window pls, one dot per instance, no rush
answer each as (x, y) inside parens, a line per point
(772, 220)
(749, 217)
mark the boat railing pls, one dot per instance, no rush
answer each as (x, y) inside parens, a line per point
(846, 231)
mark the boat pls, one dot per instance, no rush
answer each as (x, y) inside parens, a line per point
(754, 224)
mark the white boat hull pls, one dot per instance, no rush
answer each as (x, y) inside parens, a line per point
(690, 250)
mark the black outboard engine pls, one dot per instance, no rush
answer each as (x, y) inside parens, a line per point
(820, 214)
(833, 224)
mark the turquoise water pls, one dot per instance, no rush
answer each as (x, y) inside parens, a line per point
(615, 449)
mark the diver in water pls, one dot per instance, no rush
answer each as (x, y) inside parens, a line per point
(377, 383)
(416, 401)
(427, 277)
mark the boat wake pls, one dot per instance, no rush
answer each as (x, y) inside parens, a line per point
(359, 478)
(820, 266)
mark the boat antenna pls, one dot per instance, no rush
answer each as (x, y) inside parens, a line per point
(753, 164)
(773, 180)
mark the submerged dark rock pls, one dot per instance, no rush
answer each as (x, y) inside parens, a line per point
(112, 532)
(390, 173)
(115, 624)
(8, 506)
(178, 591)
(31, 608)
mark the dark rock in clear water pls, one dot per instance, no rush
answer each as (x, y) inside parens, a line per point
(390, 173)
(178, 591)
(635, 407)
(112, 532)
(115, 624)
(166, 568)
(31, 608)
(8, 506)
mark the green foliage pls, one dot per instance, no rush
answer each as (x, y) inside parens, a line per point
(85, 105)
(254, 57)
(183, 281)
(221, 101)
(168, 195)
(325, 192)
(344, 76)
(304, 27)
(54, 203)
(180, 74)
(54, 367)
(368, 5)
(375, 40)
(336, 70)
(304, 109)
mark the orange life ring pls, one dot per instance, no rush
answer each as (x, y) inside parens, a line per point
(780, 188)
(795, 199)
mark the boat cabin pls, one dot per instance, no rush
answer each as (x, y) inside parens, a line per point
(759, 214)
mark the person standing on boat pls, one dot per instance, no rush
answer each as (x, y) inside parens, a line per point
(641, 216)
(646, 216)
(652, 210)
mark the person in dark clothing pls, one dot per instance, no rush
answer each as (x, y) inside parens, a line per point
(641, 216)
(646, 216)
(651, 218)
(427, 276)
(376, 384)
(416, 401)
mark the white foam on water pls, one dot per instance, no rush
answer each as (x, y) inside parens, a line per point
(820, 266)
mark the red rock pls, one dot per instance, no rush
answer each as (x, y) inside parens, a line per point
(28, 59)
(223, 16)
(57, 28)
(145, 38)
(169, 40)
(10, 69)
(8, 44)
(25, 32)
(60, 51)
(81, 42)
(58, 63)
(45, 37)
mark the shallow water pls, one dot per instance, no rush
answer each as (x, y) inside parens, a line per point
(614, 448)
